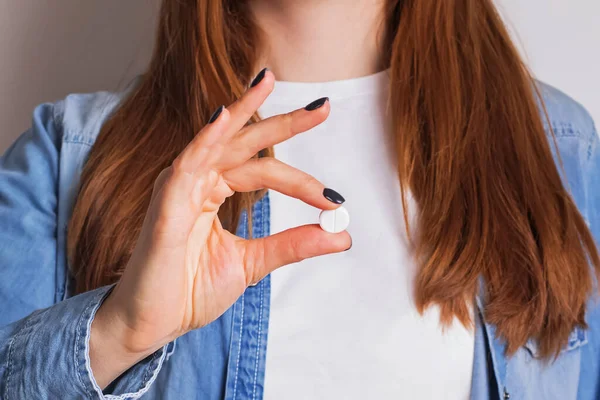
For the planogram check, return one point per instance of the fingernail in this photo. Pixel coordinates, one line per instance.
(259, 77)
(333, 196)
(316, 104)
(350, 245)
(216, 114)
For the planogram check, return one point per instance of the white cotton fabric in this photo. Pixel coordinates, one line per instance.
(344, 326)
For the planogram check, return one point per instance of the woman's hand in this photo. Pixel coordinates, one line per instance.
(186, 270)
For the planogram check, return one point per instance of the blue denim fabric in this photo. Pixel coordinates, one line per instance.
(44, 329)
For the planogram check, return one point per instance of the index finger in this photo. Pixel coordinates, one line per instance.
(227, 122)
(244, 108)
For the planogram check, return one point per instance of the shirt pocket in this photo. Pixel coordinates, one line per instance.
(577, 338)
(530, 377)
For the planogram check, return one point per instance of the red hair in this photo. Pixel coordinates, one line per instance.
(471, 144)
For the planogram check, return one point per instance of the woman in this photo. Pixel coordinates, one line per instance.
(474, 193)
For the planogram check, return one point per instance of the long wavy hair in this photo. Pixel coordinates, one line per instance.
(471, 143)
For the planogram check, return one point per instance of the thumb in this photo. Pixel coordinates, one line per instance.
(262, 256)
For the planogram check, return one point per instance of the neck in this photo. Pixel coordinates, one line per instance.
(318, 40)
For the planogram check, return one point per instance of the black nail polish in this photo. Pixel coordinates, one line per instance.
(333, 196)
(216, 114)
(316, 104)
(259, 77)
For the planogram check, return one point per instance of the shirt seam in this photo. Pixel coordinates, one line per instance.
(55, 119)
(265, 220)
(592, 144)
(58, 129)
(12, 345)
(85, 322)
(77, 343)
(260, 315)
(146, 383)
(237, 363)
(565, 130)
(75, 141)
(9, 365)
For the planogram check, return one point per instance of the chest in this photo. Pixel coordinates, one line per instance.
(347, 322)
(234, 348)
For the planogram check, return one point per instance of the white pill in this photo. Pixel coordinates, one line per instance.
(334, 221)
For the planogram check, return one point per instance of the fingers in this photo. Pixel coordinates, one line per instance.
(271, 131)
(205, 148)
(179, 193)
(227, 143)
(201, 151)
(273, 174)
(243, 108)
(262, 256)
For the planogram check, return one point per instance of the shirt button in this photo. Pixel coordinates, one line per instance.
(506, 395)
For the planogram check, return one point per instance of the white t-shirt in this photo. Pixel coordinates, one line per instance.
(344, 326)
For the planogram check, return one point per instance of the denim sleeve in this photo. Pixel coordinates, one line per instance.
(44, 345)
(589, 386)
(594, 185)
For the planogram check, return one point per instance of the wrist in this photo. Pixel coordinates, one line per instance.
(111, 327)
(110, 348)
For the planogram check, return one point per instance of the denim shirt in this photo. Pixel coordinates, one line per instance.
(44, 329)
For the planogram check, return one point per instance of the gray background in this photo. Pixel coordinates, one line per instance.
(52, 48)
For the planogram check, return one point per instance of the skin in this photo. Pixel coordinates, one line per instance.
(186, 270)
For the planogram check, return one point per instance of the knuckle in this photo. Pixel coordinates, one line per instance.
(286, 121)
(162, 177)
(304, 182)
(253, 258)
(227, 190)
(160, 182)
(266, 170)
(295, 251)
(289, 124)
(177, 164)
(247, 108)
(308, 180)
(269, 162)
